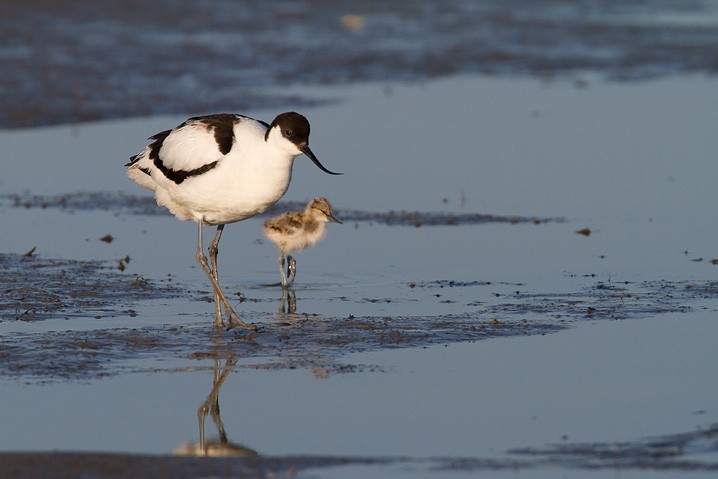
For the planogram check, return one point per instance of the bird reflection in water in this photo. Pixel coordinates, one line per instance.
(288, 303)
(219, 447)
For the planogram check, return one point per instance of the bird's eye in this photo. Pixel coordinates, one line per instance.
(288, 133)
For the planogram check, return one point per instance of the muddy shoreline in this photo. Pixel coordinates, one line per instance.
(117, 60)
(147, 206)
(665, 453)
(38, 289)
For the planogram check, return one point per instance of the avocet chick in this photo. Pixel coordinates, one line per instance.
(295, 231)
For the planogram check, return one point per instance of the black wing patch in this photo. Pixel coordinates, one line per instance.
(222, 124)
(178, 176)
(154, 148)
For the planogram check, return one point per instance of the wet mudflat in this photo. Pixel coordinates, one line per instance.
(119, 60)
(649, 456)
(286, 339)
(462, 318)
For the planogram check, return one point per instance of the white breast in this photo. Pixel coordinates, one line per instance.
(246, 181)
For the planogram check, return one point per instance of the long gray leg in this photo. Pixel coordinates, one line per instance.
(213, 251)
(202, 260)
(280, 261)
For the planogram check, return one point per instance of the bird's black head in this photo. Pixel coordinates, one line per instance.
(295, 128)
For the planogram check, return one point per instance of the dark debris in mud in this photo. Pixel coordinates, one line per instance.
(145, 205)
(450, 283)
(610, 300)
(34, 288)
(601, 300)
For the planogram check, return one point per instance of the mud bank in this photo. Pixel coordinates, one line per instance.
(113, 60)
(38, 289)
(679, 453)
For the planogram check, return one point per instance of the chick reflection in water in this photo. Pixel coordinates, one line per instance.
(288, 302)
(295, 231)
(220, 447)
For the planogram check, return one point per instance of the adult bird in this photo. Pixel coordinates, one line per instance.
(219, 169)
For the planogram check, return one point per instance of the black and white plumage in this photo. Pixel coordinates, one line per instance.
(222, 168)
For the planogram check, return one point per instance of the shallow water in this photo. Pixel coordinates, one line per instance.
(577, 343)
